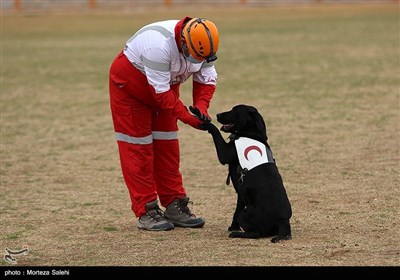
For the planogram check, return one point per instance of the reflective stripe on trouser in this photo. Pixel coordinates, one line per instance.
(147, 139)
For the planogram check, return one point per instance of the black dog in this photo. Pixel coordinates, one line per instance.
(263, 208)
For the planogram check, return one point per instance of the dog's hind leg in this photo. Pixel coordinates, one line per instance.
(249, 230)
(284, 232)
(242, 234)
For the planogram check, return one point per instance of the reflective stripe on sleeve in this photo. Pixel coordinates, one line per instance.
(140, 68)
(164, 67)
(158, 28)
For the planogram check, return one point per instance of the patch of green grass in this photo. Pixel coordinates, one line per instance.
(88, 204)
(110, 228)
(13, 236)
(384, 216)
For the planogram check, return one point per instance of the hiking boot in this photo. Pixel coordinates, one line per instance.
(178, 213)
(154, 218)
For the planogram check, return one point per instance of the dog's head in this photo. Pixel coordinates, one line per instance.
(243, 119)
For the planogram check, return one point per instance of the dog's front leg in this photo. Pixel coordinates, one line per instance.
(226, 153)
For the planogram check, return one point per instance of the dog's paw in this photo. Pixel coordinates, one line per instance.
(208, 126)
(234, 228)
(244, 234)
(234, 234)
(276, 239)
(205, 126)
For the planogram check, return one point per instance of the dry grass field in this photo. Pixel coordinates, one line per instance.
(325, 78)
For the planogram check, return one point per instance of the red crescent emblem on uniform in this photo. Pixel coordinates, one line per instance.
(249, 148)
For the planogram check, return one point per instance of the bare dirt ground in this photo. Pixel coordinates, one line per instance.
(326, 82)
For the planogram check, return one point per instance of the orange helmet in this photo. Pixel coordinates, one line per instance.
(201, 37)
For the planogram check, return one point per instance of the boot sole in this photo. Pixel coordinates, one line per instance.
(155, 229)
(179, 224)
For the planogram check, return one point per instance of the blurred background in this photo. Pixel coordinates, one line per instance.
(46, 5)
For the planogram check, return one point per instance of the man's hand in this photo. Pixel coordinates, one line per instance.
(206, 125)
(199, 115)
(191, 120)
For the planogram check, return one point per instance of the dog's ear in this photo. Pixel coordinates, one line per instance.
(259, 122)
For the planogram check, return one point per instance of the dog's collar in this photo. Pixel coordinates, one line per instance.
(233, 137)
(252, 153)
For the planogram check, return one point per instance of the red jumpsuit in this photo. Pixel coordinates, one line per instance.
(144, 99)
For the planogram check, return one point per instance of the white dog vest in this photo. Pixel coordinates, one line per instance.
(252, 153)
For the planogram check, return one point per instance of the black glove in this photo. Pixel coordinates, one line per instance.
(199, 115)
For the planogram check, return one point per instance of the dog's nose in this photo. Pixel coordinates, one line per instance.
(218, 115)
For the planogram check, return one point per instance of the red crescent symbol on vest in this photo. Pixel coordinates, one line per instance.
(248, 149)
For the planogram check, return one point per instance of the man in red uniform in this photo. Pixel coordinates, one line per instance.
(144, 97)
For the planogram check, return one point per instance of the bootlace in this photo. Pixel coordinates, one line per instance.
(183, 207)
(156, 214)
